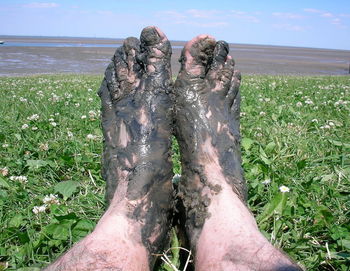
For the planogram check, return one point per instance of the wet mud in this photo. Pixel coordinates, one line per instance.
(207, 128)
(136, 122)
(92, 55)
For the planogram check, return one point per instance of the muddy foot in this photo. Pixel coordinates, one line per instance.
(223, 234)
(136, 122)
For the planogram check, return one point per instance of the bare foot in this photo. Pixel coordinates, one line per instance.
(223, 233)
(136, 122)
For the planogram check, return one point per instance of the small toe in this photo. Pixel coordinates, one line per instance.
(234, 98)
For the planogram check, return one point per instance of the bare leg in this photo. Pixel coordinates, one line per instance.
(223, 233)
(136, 121)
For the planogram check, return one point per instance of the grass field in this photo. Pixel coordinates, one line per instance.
(296, 157)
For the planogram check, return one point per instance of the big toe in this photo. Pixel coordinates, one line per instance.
(197, 55)
(151, 35)
(155, 50)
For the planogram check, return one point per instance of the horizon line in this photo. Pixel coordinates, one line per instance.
(109, 38)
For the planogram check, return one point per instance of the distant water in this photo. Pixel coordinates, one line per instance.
(55, 44)
(34, 55)
(61, 44)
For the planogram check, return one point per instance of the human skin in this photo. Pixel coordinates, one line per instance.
(222, 232)
(136, 122)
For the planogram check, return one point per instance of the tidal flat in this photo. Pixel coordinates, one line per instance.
(51, 55)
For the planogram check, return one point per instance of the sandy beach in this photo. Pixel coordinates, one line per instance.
(47, 55)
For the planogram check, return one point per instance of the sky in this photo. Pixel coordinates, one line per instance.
(306, 23)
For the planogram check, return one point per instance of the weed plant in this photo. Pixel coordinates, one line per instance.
(296, 158)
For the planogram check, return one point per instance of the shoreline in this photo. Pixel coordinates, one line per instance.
(250, 59)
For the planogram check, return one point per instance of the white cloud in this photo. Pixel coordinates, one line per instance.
(333, 19)
(41, 5)
(172, 15)
(290, 27)
(196, 13)
(336, 21)
(327, 15)
(287, 15)
(213, 24)
(312, 10)
(105, 12)
(242, 15)
(201, 18)
(194, 17)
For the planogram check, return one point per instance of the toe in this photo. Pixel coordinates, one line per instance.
(234, 88)
(234, 99)
(127, 70)
(155, 51)
(197, 55)
(220, 54)
(110, 80)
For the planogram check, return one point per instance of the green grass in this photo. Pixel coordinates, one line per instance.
(295, 133)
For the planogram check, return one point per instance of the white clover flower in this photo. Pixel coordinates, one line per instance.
(267, 181)
(33, 117)
(91, 137)
(262, 113)
(51, 120)
(299, 104)
(23, 99)
(69, 134)
(51, 199)
(55, 98)
(54, 124)
(90, 99)
(331, 123)
(77, 104)
(83, 117)
(21, 179)
(25, 126)
(34, 128)
(4, 171)
(44, 146)
(242, 114)
(176, 178)
(284, 189)
(89, 89)
(57, 114)
(308, 101)
(39, 209)
(92, 114)
(5, 145)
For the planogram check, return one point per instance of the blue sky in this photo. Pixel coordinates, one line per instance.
(321, 24)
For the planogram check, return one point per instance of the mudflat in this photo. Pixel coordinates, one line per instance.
(50, 55)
